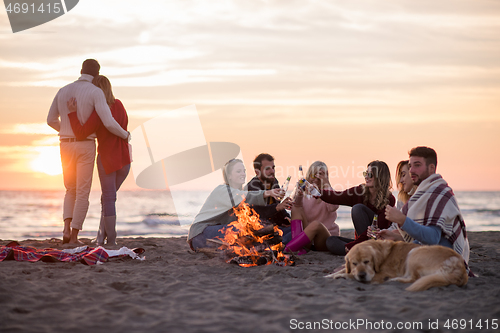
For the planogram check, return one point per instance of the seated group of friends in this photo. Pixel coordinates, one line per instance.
(426, 211)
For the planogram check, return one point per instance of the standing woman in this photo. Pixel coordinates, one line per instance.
(113, 160)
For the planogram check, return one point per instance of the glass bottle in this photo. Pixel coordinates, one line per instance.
(285, 185)
(306, 186)
(375, 227)
(284, 188)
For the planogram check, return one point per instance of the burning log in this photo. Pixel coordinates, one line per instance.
(269, 229)
(249, 243)
(248, 261)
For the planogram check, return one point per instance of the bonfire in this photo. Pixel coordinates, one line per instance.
(247, 242)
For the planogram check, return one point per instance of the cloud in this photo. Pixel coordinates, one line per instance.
(27, 129)
(177, 43)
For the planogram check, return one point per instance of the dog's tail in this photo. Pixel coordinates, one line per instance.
(452, 271)
(429, 281)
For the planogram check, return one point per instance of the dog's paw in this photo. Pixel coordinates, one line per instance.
(338, 275)
(341, 276)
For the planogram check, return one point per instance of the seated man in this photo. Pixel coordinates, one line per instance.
(274, 211)
(431, 216)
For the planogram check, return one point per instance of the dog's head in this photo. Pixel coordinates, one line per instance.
(364, 259)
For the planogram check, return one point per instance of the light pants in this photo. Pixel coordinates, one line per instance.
(77, 160)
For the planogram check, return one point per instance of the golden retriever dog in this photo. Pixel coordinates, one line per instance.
(377, 261)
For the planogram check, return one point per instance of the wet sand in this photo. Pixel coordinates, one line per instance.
(178, 290)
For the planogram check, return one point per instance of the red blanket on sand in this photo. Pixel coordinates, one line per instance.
(14, 251)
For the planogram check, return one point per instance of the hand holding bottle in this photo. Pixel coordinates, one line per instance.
(309, 188)
(284, 188)
(275, 193)
(372, 233)
(373, 230)
(287, 203)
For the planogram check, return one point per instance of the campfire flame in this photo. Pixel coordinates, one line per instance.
(244, 239)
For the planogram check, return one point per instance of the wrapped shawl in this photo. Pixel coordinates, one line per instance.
(434, 204)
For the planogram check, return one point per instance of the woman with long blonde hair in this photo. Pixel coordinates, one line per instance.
(406, 189)
(313, 214)
(404, 183)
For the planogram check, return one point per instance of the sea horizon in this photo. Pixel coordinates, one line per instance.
(37, 214)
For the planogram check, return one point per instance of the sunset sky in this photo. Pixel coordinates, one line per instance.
(345, 82)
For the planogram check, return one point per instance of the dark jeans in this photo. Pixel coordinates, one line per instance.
(110, 183)
(362, 218)
(336, 244)
(210, 232)
(287, 234)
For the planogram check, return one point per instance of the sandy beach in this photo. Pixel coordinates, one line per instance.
(177, 290)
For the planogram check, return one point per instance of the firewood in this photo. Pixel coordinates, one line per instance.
(264, 231)
(247, 260)
(211, 253)
(216, 241)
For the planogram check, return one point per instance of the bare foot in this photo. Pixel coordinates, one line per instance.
(66, 236)
(67, 231)
(76, 242)
(74, 237)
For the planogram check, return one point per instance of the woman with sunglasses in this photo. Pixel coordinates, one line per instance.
(217, 211)
(367, 200)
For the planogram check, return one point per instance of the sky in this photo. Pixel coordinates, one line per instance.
(344, 82)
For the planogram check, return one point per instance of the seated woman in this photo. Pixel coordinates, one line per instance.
(314, 212)
(217, 211)
(406, 190)
(366, 200)
(315, 209)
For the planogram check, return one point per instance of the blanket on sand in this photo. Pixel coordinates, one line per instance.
(86, 255)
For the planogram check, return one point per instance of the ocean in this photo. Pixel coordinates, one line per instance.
(146, 213)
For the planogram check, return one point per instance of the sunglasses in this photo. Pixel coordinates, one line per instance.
(367, 174)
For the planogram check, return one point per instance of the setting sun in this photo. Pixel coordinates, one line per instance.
(48, 161)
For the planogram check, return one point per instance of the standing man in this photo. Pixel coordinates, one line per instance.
(274, 211)
(77, 157)
(432, 215)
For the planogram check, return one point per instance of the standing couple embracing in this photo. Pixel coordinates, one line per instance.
(81, 112)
